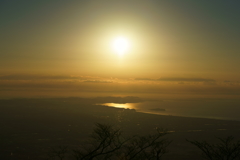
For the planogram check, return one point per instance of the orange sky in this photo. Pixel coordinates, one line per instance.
(175, 47)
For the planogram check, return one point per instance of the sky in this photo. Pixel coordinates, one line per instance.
(65, 46)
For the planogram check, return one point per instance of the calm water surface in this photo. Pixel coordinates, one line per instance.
(217, 109)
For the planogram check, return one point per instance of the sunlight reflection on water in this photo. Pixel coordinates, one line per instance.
(213, 109)
(121, 105)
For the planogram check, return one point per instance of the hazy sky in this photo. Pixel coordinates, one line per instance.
(175, 45)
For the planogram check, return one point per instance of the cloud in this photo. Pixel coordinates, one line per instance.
(144, 79)
(97, 81)
(177, 79)
(38, 77)
(227, 81)
(89, 79)
(186, 79)
(56, 78)
(74, 85)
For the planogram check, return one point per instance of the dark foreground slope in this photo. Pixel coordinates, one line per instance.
(30, 127)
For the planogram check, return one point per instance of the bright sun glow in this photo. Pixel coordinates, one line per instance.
(121, 45)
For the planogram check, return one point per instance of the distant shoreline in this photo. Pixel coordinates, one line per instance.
(122, 101)
(161, 112)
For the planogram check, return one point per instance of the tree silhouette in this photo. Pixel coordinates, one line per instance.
(227, 149)
(147, 147)
(104, 142)
(107, 143)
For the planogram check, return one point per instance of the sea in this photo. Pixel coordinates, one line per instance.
(214, 108)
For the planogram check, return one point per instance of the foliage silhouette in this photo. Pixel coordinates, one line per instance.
(227, 149)
(108, 143)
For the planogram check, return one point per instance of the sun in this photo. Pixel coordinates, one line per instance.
(120, 45)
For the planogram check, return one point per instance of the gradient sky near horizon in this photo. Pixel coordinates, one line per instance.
(175, 46)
